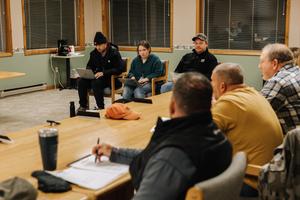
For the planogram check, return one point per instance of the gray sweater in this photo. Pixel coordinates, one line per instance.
(166, 174)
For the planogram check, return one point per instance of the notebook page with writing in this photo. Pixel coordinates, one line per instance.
(105, 165)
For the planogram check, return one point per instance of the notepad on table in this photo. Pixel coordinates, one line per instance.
(88, 174)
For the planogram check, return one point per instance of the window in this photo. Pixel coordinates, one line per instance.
(244, 24)
(47, 21)
(133, 20)
(5, 29)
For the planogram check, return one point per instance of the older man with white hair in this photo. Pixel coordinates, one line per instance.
(282, 87)
(246, 118)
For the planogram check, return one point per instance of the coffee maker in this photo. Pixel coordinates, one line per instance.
(62, 47)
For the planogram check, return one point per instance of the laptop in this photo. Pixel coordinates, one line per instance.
(130, 82)
(85, 73)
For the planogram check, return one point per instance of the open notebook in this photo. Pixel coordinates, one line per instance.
(88, 174)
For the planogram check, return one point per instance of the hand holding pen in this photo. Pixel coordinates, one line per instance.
(101, 150)
(96, 156)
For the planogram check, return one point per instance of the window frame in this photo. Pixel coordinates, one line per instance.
(200, 24)
(105, 28)
(80, 32)
(8, 32)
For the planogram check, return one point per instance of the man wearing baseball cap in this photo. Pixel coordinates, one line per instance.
(105, 60)
(200, 60)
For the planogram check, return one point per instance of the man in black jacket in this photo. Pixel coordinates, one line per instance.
(105, 60)
(184, 150)
(200, 60)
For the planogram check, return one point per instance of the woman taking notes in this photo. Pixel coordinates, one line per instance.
(143, 68)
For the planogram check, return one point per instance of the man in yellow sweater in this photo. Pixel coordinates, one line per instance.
(246, 117)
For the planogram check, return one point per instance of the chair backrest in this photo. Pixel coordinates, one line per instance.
(165, 68)
(163, 77)
(126, 63)
(280, 178)
(227, 185)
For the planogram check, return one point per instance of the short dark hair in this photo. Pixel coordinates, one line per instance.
(278, 51)
(229, 73)
(143, 43)
(193, 93)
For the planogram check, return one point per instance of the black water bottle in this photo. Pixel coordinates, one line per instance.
(72, 109)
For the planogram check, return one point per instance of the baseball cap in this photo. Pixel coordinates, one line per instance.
(200, 36)
(121, 111)
(17, 188)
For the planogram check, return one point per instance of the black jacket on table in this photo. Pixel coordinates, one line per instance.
(110, 64)
(198, 137)
(193, 62)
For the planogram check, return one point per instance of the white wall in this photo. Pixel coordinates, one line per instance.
(294, 32)
(92, 19)
(184, 21)
(16, 23)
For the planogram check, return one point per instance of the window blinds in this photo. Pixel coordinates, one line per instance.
(244, 24)
(135, 20)
(48, 21)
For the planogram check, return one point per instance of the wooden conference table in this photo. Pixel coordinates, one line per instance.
(76, 137)
(6, 74)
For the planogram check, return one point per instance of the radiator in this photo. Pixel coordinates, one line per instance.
(21, 90)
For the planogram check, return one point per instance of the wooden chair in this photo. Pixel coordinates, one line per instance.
(163, 78)
(253, 170)
(227, 185)
(114, 90)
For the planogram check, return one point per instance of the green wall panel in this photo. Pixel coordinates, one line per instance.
(249, 64)
(37, 67)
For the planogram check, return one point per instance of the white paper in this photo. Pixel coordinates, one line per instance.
(86, 173)
(105, 165)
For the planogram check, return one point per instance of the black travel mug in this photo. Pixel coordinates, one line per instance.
(48, 139)
(72, 109)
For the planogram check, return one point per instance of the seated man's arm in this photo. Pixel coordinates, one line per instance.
(166, 175)
(123, 156)
(117, 65)
(224, 115)
(180, 66)
(91, 63)
(273, 91)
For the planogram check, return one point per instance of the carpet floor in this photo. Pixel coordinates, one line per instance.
(26, 110)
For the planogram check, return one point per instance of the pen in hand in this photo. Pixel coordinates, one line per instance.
(96, 156)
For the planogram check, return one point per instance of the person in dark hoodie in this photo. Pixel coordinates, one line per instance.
(105, 60)
(184, 150)
(200, 60)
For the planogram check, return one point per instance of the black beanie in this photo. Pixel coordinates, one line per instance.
(99, 38)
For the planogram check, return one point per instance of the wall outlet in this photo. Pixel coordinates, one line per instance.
(56, 69)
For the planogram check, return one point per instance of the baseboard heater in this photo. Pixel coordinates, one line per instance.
(21, 90)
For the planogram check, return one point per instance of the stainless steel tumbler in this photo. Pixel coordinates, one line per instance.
(48, 139)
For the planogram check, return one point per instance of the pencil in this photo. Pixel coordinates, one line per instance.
(96, 156)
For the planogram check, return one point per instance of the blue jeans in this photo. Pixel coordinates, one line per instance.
(168, 86)
(138, 92)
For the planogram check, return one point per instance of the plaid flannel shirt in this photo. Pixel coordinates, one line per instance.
(283, 93)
